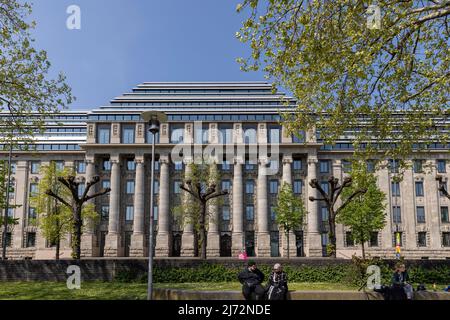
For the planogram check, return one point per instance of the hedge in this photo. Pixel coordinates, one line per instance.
(349, 273)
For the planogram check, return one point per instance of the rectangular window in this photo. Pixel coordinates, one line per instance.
(155, 212)
(8, 240)
(346, 166)
(274, 134)
(419, 189)
(105, 212)
(81, 188)
(130, 187)
(128, 134)
(324, 214)
(250, 136)
(420, 214)
(249, 212)
(273, 213)
(418, 166)
(444, 215)
(349, 241)
(201, 134)
(250, 187)
(106, 184)
(325, 186)
(129, 214)
(298, 184)
(178, 165)
(80, 166)
(446, 239)
(422, 239)
(299, 137)
(226, 213)
(393, 166)
(176, 187)
(13, 167)
(370, 166)
(31, 239)
(156, 166)
(324, 166)
(226, 165)
(104, 134)
(226, 185)
(273, 186)
(156, 187)
(298, 165)
(33, 189)
(32, 213)
(441, 164)
(177, 133)
(10, 212)
(59, 165)
(397, 215)
(225, 134)
(373, 239)
(395, 187)
(249, 166)
(274, 166)
(131, 165)
(106, 165)
(35, 167)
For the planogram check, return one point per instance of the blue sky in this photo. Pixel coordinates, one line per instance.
(125, 42)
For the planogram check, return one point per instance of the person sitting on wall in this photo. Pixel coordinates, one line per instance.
(277, 288)
(251, 278)
(400, 283)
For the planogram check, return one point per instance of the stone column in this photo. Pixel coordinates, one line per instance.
(89, 246)
(138, 243)
(314, 240)
(163, 236)
(113, 246)
(384, 184)
(21, 212)
(409, 209)
(287, 179)
(434, 212)
(263, 234)
(237, 237)
(213, 238)
(188, 237)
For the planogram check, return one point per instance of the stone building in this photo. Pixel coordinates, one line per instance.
(113, 142)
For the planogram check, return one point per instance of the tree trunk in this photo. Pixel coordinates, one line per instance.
(287, 237)
(332, 235)
(58, 244)
(363, 250)
(76, 240)
(203, 232)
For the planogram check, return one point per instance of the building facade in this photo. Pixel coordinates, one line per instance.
(258, 157)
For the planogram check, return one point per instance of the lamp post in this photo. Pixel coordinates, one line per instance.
(154, 120)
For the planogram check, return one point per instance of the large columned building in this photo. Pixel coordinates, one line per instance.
(241, 118)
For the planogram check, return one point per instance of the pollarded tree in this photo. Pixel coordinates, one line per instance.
(201, 186)
(54, 218)
(79, 205)
(366, 213)
(355, 67)
(330, 198)
(290, 211)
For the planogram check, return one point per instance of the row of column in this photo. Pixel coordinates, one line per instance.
(138, 240)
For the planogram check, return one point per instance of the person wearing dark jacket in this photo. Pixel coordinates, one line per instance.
(278, 287)
(251, 279)
(400, 283)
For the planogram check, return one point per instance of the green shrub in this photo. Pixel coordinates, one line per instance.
(354, 273)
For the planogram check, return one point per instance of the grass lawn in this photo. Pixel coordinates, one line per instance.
(123, 291)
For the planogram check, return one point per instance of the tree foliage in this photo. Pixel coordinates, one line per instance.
(353, 79)
(24, 83)
(367, 212)
(290, 211)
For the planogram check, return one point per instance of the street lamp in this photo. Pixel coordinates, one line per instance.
(154, 119)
